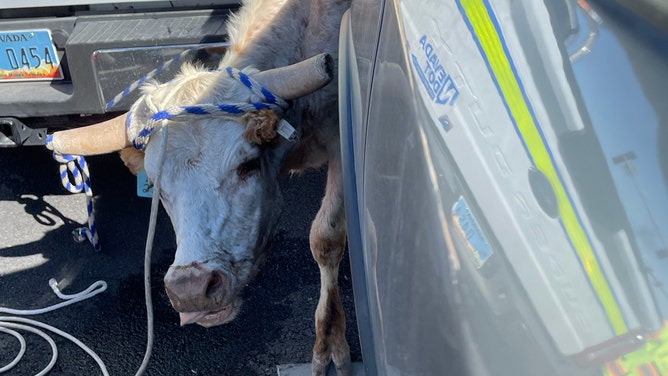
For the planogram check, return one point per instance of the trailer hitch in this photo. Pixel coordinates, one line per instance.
(14, 133)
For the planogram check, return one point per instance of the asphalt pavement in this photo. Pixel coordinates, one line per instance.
(37, 217)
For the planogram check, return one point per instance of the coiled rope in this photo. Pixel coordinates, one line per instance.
(9, 325)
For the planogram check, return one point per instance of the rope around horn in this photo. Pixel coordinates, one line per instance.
(139, 132)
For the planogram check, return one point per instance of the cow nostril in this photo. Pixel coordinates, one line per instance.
(215, 285)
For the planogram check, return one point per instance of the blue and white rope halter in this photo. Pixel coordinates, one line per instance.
(139, 132)
(78, 178)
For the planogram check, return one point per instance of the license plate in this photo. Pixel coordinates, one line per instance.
(471, 233)
(28, 55)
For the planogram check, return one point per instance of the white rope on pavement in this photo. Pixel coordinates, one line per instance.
(9, 323)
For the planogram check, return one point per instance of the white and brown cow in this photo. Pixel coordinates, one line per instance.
(219, 176)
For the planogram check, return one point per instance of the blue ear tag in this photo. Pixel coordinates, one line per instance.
(144, 188)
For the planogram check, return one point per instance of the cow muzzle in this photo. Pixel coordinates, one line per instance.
(200, 295)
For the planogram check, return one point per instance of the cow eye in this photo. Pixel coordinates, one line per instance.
(247, 168)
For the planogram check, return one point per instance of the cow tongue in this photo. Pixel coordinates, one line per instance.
(191, 317)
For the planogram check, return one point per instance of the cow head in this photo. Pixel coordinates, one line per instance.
(218, 186)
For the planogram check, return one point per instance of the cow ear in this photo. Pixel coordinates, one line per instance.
(260, 126)
(133, 159)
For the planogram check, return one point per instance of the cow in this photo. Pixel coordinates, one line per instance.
(220, 174)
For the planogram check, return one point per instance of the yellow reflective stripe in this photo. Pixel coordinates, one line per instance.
(481, 24)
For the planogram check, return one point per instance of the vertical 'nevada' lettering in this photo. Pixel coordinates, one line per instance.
(439, 84)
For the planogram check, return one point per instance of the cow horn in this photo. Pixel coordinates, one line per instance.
(299, 79)
(100, 138)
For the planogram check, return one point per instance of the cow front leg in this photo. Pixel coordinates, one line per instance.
(327, 240)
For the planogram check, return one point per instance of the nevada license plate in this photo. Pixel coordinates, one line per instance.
(27, 55)
(470, 231)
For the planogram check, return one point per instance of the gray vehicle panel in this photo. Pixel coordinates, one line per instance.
(431, 308)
